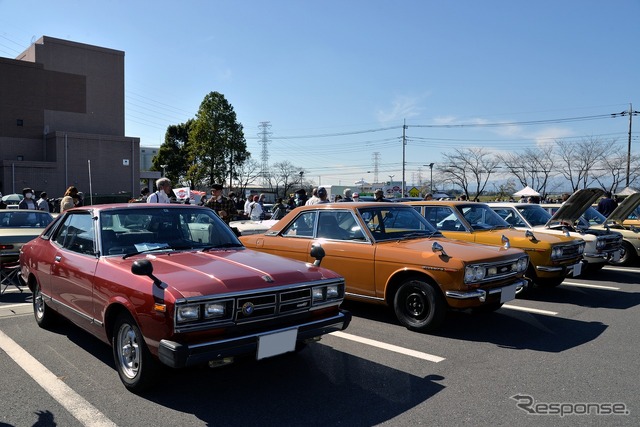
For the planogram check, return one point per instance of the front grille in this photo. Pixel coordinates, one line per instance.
(571, 251)
(262, 306)
(611, 243)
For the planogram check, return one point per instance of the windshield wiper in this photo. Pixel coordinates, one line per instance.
(159, 248)
(222, 246)
(418, 234)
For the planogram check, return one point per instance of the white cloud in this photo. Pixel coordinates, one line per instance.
(402, 107)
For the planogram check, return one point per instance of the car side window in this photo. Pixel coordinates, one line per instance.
(443, 218)
(77, 233)
(302, 226)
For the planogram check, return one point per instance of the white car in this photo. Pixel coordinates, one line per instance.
(601, 246)
(248, 226)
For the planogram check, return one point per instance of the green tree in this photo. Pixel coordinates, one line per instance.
(217, 143)
(174, 153)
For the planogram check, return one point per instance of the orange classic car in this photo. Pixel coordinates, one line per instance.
(172, 284)
(552, 257)
(389, 254)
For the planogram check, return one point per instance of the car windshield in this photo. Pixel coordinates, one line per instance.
(394, 222)
(131, 231)
(481, 217)
(535, 215)
(24, 219)
(592, 217)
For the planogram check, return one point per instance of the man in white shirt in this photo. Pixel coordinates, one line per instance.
(162, 195)
(42, 203)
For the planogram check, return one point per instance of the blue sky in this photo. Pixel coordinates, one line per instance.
(337, 78)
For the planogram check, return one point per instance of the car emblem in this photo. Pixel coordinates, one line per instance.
(247, 308)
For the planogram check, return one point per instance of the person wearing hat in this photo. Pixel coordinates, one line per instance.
(355, 197)
(428, 196)
(379, 196)
(224, 207)
(27, 202)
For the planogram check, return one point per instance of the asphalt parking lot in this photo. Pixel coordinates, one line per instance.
(567, 356)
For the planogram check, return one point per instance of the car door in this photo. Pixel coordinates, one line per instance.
(73, 267)
(348, 251)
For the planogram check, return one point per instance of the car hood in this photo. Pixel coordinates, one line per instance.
(625, 208)
(468, 252)
(576, 205)
(221, 271)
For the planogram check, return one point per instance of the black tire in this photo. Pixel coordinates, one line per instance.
(419, 306)
(550, 283)
(135, 365)
(628, 255)
(44, 315)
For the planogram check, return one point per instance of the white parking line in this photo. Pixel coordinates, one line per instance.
(584, 285)
(10, 306)
(82, 410)
(530, 310)
(390, 347)
(627, 269)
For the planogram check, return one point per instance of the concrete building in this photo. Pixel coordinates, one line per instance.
(62, 121)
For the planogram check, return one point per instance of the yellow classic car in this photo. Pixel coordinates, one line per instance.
(624, 220)
(552, 258)
(389, 254)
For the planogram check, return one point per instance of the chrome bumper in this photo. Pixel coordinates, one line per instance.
(481, 294)
(178, 355)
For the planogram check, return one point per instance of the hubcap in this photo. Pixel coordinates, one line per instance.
(128, 350)
(416, 305)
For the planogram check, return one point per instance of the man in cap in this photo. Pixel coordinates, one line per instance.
(225, 208)
(379, 195)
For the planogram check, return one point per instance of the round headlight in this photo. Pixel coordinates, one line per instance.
(479, 273)
(522, 264)
(468, 274)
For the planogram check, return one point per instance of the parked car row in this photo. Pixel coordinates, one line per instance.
(173, 285)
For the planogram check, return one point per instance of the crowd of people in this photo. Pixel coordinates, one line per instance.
(231, 207)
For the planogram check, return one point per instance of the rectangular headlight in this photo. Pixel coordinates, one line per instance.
(332, 292)
(318, 294)
(188, 313)
(215, 310)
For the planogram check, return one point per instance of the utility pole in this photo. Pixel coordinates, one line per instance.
(404, 143)
(629, 113)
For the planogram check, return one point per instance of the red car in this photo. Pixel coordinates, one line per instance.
(173, 284)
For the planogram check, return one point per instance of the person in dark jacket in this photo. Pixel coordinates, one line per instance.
(606, 205)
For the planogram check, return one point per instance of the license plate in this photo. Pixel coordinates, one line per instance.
(577, 269)
(277, 343)
(508, 293)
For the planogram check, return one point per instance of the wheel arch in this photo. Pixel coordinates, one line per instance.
(400, 277)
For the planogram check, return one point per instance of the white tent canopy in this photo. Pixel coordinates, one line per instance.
(626, 192)
(526, 192)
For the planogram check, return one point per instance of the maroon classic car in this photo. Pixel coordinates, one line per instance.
(173, 284)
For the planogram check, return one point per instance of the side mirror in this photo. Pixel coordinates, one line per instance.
(529, 235)
(317, 252)
(505, 242)
(143, 267)
(437, 247)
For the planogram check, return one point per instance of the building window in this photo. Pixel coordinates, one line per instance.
(19, 122)
(20, 158)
